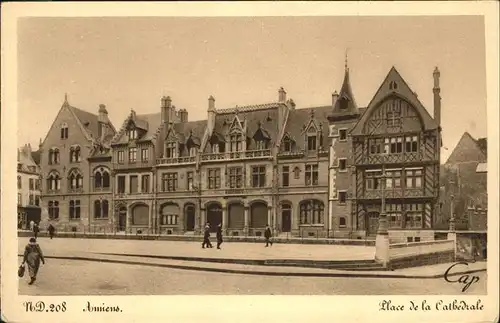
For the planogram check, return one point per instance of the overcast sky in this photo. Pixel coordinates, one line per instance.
(129, 63)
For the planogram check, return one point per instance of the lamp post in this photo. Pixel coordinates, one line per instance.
(382, 222)
(452, 235)
(382, 239)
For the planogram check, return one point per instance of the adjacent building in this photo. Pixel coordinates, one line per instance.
(69, 168)
(28, 187)
(311, 172)
(464, 182)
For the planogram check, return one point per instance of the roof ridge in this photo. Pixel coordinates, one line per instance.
(250, 107)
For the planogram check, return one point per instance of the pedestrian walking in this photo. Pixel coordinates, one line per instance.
(36, 229)
(51, 230)
(33, 256)
(206, 237)
(219, 235)
(268, 235)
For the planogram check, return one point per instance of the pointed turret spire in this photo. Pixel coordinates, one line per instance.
(345, 100)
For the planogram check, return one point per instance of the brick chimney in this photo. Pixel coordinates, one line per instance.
(211, 114)
(437, 96)
(183, 115)
(166, 107)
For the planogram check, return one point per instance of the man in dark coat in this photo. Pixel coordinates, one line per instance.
(268, 235)
(36, 229)
(51, 230)
(219, 235)
(206, 237)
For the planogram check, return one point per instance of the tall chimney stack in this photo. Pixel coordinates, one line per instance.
(437, 96)
(335, 97)
(281, 95)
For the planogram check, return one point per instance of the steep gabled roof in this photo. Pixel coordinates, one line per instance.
(299, 119)
(191, 129)
(25, 159)
(403, 91)
(468, 149)
(150, 123)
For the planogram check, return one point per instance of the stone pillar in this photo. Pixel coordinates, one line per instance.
(203, 219)
(275, 220)
(224, 218)
(452, 235)
(246, 220)
(128, 219)
(269, 215)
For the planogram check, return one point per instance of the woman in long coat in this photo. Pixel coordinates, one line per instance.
(32, 256)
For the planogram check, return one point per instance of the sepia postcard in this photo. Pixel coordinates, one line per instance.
(243, 161)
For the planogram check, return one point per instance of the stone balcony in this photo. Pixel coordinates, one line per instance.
(249, 154)
(176, 160)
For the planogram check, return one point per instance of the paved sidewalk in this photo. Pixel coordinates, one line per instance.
(240, 250)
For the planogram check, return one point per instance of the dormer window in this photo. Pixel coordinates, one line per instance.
(235, 143)
(343, 104)
(215, 148)
(192, 151)
(311, 142)
(170, 150)
(287, 145)
(132, 134)
(261, 144)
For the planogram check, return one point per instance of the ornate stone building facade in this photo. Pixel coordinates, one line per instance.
(28, 188)
(310, 172)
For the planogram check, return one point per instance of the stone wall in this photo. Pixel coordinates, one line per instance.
(403, 255)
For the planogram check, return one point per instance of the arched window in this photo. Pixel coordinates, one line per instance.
(75, 154)
(105, 208)
(105, 179)
(56, 156)
(97, 180)
(75, 179)
(311, 212)
(235, 142)
(64, 131)
(54, 181)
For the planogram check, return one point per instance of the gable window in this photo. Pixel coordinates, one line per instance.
(19, 182)
(144, 155)
(375, 146)
(393, 85)
(192, 151)
(343, 104)
(53, 210)
(394, 215)
(64, 131)
(54, 181)
(396, 145)
(121, 184)
(170, 150)
(311, 143)
(411, 144)
(75, 180)
(214, 178)
(132, 155)
(258, 176)
(393, 179)
(311, 175)
(145, 183)
(215, 148)
(393, 118)
(133, 184)
(132, 134)
(54, 156)
(311, 212)
(414, 214)
(373, 180)
(414, 178)
(74, 154)
(74, 209)
(342, 134)
(235, 142)
(121, 156)
(285, 176)
(342, 164)
(190, 180)
(169, 182)
(235, 177)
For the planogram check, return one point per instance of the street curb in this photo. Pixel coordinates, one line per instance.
(197, 238)
(358, 265)
(264, 273)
